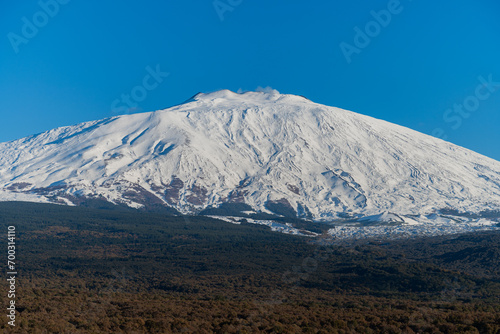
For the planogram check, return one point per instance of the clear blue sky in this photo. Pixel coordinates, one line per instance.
(412, 70)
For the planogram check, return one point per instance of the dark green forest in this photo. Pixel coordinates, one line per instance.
(83, 270)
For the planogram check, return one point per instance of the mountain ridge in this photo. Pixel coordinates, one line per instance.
(273, 152)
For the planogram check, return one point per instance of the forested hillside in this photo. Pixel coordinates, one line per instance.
(121, 271)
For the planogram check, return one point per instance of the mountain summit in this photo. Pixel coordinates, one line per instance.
(262, 151)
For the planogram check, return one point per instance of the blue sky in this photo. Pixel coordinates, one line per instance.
(431, 66)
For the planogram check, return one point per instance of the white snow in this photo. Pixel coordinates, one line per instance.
(263, 146)
(422, 225)
(275, 226)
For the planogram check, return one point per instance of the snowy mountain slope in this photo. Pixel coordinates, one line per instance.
(271, 151)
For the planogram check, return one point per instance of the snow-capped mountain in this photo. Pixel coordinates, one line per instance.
(276, 153)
